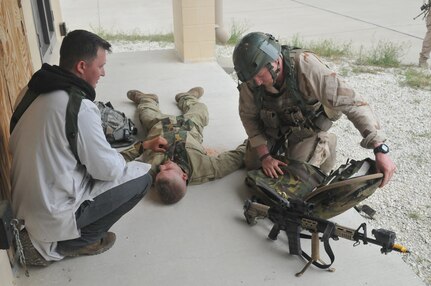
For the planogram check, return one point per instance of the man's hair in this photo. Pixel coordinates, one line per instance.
(170, 190)
(80, 45)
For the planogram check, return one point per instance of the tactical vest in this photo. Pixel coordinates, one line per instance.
(73, 105)
(290, 113)
(175, 132)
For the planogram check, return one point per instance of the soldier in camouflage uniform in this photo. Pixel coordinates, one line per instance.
(426, 44)
(185, 159)
(288, 100)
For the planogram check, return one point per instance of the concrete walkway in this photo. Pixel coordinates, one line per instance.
(204, 239)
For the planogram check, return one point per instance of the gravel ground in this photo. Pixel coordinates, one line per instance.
(404, 205)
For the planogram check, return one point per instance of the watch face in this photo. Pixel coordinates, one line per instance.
(381, 149)
(384, 148)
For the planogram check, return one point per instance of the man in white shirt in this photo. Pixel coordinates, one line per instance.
(69, 196)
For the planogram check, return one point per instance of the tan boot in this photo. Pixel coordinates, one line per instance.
(423, 63)
(98, 247)
(196, 92)
(136, 96)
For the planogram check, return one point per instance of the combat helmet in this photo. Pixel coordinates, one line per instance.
(254, 51)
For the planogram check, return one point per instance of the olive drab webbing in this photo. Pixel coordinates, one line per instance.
(71, 126)
(289, 113)
(175, 132)
(331, 195)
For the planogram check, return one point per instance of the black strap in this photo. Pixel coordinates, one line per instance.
(27, 99)
(72, 110)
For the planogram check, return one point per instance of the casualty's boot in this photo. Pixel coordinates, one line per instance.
(31, 255)
(100, 246)
(196, 92)
(136, 96)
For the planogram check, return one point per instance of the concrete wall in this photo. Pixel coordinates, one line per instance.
(194, 29)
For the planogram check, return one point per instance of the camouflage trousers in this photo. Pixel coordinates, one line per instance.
(318, 150)
(150, 114)
(426, 45)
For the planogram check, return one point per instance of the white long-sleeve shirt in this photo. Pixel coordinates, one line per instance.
(48, 185)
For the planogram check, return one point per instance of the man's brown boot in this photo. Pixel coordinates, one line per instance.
(136, 96)
(196, 92)
(98, 247)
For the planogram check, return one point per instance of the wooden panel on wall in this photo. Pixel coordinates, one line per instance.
(15, 71)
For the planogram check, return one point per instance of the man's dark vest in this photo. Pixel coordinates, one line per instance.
(75, 98)
(290, 113)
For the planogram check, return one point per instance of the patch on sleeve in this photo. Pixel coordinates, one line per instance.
(337, 94)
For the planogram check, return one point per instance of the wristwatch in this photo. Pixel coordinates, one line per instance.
(382, 148)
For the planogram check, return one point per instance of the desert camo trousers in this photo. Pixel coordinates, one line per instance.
(318, 150)
(426, 45)
(150, 114)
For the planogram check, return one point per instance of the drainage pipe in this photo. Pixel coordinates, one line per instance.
(222, 35)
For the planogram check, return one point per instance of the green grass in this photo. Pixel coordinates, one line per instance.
(414, 215)
(417, 78)
(134, 36)
(426, 135)
(237, 31)
(366, 69)
(384, 54)
(325, 48)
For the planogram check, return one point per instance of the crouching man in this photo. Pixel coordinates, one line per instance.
(69, 187)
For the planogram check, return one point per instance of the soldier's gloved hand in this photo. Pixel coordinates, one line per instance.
(157, 144)
(270, 167)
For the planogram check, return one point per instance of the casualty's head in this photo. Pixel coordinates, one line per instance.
(171, 182)
(84, 54)
(255, 54)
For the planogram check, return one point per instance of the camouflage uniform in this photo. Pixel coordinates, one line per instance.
(426, 45)
(184, 136)
(268, 119)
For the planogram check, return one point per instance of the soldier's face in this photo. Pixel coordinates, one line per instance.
(170, 169)
(263, 77)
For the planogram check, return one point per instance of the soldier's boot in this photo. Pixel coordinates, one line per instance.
(136, 96)
(196, 92)
(423, 62)
(31, 255)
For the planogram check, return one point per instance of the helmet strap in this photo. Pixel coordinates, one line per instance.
(274, 73)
